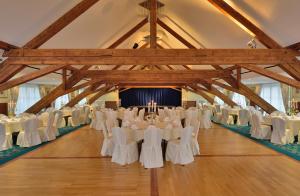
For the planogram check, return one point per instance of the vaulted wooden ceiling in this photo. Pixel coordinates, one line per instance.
(169, 28)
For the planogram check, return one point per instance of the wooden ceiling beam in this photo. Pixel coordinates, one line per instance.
(155, 75)
(151, 56)
(291, 69)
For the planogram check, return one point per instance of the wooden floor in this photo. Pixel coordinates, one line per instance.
(229, 165)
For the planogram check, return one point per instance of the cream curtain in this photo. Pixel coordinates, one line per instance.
(285, 95)
(13, 95)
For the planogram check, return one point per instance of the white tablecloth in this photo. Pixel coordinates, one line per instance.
(293, 123)
(15, 124)
(136, 130)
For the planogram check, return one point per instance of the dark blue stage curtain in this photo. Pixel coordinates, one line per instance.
(142, 96)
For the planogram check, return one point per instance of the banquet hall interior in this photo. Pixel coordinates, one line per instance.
(149, 97)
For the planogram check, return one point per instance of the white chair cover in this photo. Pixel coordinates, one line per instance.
(258, 130)
(243, 117)
(74, 120)
(99, 121)
(48, 133)
(226, 118)
(205, 121)
(87, 112)
(125, 152)
(141, 114)
(180, 151)
(280, 134)
(151, 154)
(58, 120)
(107, 146)
(44, 117)
(5, 138)
(30, 136)
(194, 142)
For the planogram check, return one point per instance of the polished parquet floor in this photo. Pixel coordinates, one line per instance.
(229, 164)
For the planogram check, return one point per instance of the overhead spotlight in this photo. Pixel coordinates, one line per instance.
(135, 45)
(252, 43)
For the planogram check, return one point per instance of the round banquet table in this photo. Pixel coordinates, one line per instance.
(293, 123)
(135, 131)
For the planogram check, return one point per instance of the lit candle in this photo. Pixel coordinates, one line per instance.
(154, 107)
(149, 106)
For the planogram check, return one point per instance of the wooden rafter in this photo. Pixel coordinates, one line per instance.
(30, 76)
(6, 46)
(202, 94)
(291, 69)
(90, 90)
(295, 46)
(272, 75)
(74, 79)
(128, 34)
(215, 92)
(100, 93)
(175, 34)
(45, 35)
(60, 23)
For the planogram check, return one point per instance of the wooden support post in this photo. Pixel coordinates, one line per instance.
(153, 19)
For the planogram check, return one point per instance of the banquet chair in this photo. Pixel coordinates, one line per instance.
(29, 136)
(151, 154)
(280, 133)
(180, 151)
(194, 142)
(44, 117)
(99, 121)
(125, 151)
(87, 112)
(58, 119)
(243, 117)
(226, 118)
(107, 145)
(5, 138)
(161, 114)
(258, 130)
(109, 125)
(278, 113)
(3, 116)
(205, 121)
(74, 120)
(141, 114)
(48, 133)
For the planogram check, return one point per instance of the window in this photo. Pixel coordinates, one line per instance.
(272, 94)
(29, 94)
(61, 101)
(218, 101)
(239, 99)
(82, 101)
